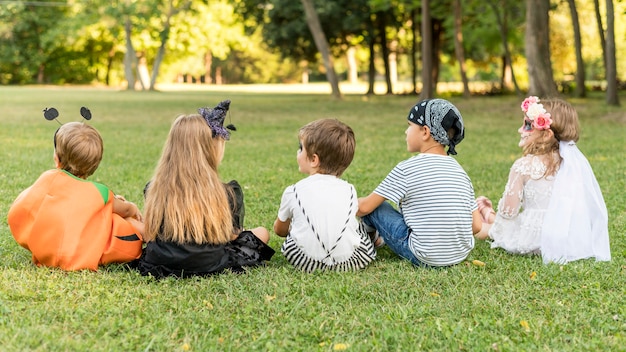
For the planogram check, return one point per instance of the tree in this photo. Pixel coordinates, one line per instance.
(504, 35)
(580, 64)
(537, 47)
(458, 46)
(428, 90)
(321, 43)
(611, 66)
(33, 40)
(381, 21)
(172, 9)
(600, 30)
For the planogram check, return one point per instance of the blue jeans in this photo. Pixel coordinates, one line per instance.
(392, 228)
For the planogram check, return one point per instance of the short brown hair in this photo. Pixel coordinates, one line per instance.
(334, 143)
(79, 148)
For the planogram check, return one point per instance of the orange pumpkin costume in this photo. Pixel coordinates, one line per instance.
(68, 222)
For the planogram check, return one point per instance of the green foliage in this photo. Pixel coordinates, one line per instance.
(511, 303)
(252, 41)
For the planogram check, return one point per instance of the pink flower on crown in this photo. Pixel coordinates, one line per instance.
(529, 101)
(542, 121)
(540, 118)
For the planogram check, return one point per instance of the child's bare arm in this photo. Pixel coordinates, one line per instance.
(369, 203)
(126, 209)
(282, 227)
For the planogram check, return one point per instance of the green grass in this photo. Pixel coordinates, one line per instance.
(391, 306)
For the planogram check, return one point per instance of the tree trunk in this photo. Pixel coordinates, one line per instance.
(353, 72)
(504, 35)
(580, 90)
(371, 72)
(208, 63)
(40, 74)
(142, 72)
(393, 63)
(611, 65)
(321, 43)
(600, 31)
(458, 46)
(437, 32)
(130, 57)
(413, 51)
(218, 76)
(427, 57)
(382, 32)
(159, 58)
(537, 48)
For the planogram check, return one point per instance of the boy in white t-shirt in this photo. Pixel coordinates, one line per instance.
(317, 215)
(438, 216)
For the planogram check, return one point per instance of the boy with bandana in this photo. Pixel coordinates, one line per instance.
(437, 216)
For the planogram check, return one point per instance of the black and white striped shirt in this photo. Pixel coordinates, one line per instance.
(436, 198)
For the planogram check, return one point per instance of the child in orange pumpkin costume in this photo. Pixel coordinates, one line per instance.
(68, 222)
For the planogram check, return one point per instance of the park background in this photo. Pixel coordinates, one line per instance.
(69, 54)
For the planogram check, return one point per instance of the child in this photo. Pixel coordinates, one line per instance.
(192, 227)
(317, 215)
(69, 222)
(438, 215)
(552, 204)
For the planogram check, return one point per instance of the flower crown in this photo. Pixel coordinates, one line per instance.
(536, 113)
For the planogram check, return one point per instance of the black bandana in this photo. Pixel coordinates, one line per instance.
(440, 116)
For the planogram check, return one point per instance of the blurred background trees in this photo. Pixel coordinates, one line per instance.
(412, 46)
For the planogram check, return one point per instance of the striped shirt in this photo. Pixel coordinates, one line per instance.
(436, 198)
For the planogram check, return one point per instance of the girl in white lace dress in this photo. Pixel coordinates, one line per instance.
(552, 204)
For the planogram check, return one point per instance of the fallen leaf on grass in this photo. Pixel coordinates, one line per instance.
(269, 298)
(435, 294)
(525, 325)
(478, 262)
(340, 347)
(533, 275)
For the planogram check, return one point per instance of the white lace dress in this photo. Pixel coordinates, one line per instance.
(518, 224)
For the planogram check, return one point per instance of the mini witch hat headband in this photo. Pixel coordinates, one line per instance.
(215, 117)
(52, 114)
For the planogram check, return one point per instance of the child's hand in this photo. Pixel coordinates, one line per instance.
(485, 208)
(126, 209)
(136, 213)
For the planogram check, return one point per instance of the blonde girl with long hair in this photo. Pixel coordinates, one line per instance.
(552, 204)
(193, 221)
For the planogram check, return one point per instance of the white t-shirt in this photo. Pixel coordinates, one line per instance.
(322, 209)
(436, 198)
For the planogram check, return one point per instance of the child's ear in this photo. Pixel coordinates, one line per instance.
(426, 131)
(315, 160)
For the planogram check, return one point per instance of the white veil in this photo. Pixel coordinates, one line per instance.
(576, 223)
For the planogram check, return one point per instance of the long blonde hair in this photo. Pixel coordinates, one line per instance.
(564, 127)
(186, 202)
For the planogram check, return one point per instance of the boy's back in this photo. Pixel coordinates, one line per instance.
(435, 196)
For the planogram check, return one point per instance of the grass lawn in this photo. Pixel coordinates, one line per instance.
(512, 303)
